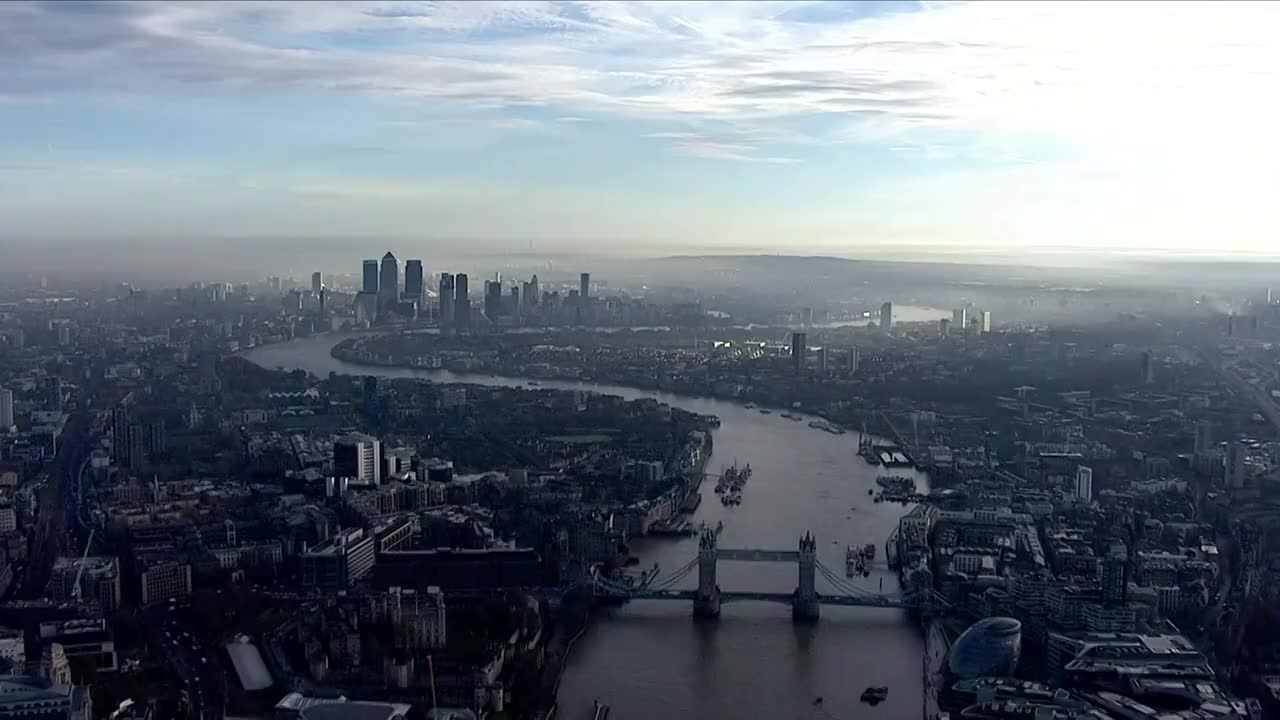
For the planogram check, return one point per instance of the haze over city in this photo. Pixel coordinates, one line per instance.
(633, 129)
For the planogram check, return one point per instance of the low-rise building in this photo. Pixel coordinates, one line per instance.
(98, 576)
(340, 562)
(83, 640)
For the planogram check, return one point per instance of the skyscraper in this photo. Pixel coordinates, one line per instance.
(1204, 437)
(492, 299)
(317, 282)
(944, 327)
(120, 436)
(358, 457)
(1148, 368)
(799, 346)
(370, 284)
(1115, 576)
(534, 296)
(461, 302)
(960, 319)
(389, 281)
(886, 316)
(413, 281)
(584, 287)
(1235, 465)
(986, 322)
(1084, 484)
(444, 293)
(53, 398)
(6, 409)
(822, 360)
(852, 365)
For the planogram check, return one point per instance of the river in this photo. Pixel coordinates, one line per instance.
(650, 659)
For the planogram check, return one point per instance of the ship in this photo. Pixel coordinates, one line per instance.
(765, 411)
(867, 452)
(749, 405)
(733, 478)
(898, 484)
(875, 695)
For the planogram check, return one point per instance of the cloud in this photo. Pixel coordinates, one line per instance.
(725, 145)
(1080, 71)
(1180, 91)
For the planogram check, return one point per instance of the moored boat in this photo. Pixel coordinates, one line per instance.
(875, 695)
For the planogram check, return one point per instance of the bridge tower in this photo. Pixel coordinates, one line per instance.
(707, 602)
(804, 605)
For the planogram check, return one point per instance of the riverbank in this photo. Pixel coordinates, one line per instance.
(874, 420)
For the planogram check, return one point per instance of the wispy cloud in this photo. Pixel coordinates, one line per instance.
(983, 68)
(949, 109)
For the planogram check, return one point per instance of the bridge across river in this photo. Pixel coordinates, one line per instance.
(804, 600)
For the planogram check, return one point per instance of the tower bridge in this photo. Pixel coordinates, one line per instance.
(805, 601)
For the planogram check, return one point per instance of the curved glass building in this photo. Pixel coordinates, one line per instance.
(989, 647)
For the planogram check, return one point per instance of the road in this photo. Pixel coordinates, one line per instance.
(1257, 394)
(197, 665)
(55, 506)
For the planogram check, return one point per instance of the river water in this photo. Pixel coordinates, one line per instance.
(650, 659)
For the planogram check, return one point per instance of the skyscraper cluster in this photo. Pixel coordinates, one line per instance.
(966, 322)
(382, 292)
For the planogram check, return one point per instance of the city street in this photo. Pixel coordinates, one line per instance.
(197, 665)
(50, 538)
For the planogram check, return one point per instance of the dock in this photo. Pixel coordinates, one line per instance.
(674, 527)
(691, 501)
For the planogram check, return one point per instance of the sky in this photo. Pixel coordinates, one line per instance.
(645, 128)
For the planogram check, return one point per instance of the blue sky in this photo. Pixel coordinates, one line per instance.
(638, 128)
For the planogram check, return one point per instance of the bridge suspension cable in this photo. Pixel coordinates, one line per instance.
(650, 584)
(675, 577)
(849, 589)
(840, 583)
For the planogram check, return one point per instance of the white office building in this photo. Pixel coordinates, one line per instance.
(358, 457)
(1084, 484)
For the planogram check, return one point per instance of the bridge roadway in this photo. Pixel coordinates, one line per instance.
(736, 555)
(880, 601)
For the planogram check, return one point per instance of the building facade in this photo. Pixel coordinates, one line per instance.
(358, 457)
(163, 579)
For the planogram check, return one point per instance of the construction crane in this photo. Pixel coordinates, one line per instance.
(75, 590)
